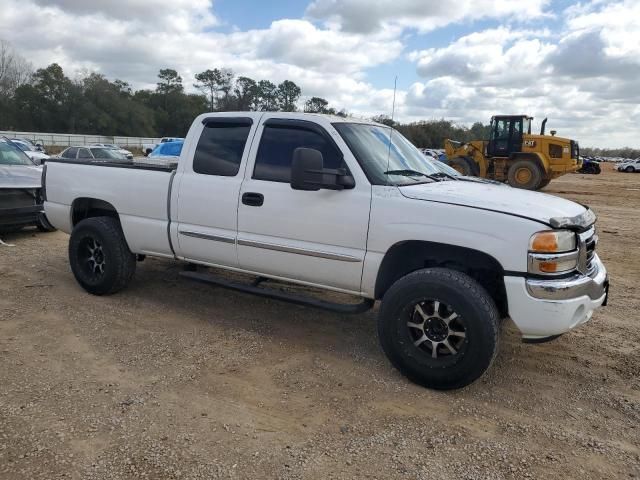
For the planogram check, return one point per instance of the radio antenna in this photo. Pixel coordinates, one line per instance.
(393, 112)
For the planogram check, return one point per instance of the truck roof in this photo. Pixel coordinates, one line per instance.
(293, 115)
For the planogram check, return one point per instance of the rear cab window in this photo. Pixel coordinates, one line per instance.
(221, 146)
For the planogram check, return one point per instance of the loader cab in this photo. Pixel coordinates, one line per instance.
(506, 134)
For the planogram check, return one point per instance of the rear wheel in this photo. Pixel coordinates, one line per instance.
(464, 165)
(439, 327)
(525, 174)
(99, 256)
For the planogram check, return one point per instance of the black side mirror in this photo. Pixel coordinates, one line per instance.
(306, 169)
(308, 172)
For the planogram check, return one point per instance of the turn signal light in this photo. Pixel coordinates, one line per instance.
(553, 241)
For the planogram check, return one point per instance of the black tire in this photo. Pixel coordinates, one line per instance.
(100, 257)
(456, 292)
(465, 166)
(525, 174)
(544, 183)
(44, 225)
(629, 169)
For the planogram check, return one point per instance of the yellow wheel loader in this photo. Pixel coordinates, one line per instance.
(512, 154)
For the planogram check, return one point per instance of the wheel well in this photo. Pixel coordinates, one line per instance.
(91, 207)
(406, 257)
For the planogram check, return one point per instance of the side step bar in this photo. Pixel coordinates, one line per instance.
(361, 307)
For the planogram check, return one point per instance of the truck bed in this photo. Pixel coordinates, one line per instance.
(137, 165)
(139, 193)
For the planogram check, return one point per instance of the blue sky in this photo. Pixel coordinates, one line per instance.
(464, 60)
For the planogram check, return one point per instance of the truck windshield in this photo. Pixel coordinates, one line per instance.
(385, 155)
(12, 155)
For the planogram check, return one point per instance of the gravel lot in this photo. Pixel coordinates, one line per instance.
(172, 379)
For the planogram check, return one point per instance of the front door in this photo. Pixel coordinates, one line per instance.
(317, 237)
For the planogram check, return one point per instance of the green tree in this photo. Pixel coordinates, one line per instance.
(216, 84)
(170, 82)
(246, 94)
(288, 94)
(316, 105)
(267, 96)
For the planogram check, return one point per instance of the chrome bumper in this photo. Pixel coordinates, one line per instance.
(593, 286)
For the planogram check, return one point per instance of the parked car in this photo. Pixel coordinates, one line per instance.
(629, 166)
(344, 205)
(20, 190)
(31, 151)
(168, 149)
(34, 145)
(147, 148)
(113, 146)
(590, 165)
(93, 154)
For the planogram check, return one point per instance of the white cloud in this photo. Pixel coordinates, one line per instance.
(368, 16)
(579, 66)
(583, 77)
(100, 36)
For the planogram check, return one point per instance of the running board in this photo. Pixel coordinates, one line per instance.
(361, 307)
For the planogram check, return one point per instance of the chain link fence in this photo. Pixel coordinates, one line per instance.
(67, 140)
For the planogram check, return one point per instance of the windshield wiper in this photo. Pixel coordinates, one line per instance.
(446, 175)
(411, 173)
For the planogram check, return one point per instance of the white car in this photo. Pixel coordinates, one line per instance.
(629, 166)
(344, 205)
(112, 146)
(32, 152)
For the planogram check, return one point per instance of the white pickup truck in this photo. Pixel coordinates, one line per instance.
(344, 205)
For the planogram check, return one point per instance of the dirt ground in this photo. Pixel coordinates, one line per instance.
(172, 379)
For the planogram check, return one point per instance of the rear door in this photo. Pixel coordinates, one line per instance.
(208, 188)
(316, 237)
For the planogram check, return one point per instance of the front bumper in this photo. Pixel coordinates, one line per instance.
(544, 308)
(20, 216)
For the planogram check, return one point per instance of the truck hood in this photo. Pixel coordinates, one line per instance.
(20, 176)
(540, 207)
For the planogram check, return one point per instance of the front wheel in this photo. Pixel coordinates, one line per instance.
(628, 169)
(525, 174)
(465, 166)
(100, 257)
(439, 327)
(544, 183)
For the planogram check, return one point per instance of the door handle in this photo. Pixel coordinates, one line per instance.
(253, 199)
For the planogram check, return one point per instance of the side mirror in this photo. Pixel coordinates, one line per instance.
(306, 169)
(308, 172)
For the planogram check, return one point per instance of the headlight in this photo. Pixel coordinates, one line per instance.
(553, 241)
(553, 252)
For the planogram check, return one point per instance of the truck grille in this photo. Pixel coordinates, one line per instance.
(17, 198)
(590, 240)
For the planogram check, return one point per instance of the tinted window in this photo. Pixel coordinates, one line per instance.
(277, 144)
(220, 148)
(84, 153)
(70, 152)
